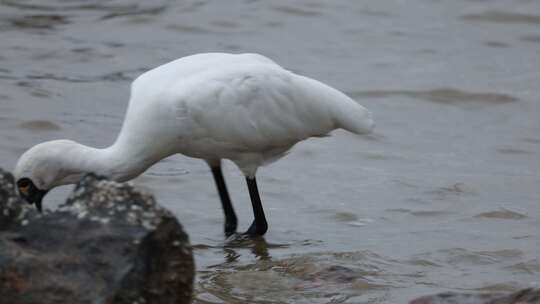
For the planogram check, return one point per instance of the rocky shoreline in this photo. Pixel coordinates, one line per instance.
(108, 243)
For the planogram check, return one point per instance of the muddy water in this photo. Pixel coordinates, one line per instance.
(443, 196)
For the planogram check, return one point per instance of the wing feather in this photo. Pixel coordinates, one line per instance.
(244, 101)
(258, 107)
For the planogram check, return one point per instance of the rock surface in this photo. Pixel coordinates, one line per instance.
(109, 243)
(525, 296)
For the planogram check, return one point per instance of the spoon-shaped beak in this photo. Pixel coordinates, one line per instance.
(30, 193)
(38, 198)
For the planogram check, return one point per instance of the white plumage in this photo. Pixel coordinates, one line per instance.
(213, 106)
(245, 108)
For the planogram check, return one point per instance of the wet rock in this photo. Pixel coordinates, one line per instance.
(525, 296)
(12, 209)
(109, 243)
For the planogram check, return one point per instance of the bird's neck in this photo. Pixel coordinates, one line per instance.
(118, 162)
(121, 164)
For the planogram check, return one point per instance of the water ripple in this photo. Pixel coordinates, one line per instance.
(504, 214)
(136, 11)
(311, 278)
(39, 125)
(296, 11)
(442, 95)
(503, 17)
(49, 21)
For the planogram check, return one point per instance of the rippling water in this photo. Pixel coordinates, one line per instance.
(443, 196)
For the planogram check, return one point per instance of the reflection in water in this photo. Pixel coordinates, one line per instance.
(257, 245)
(260, 250)
(231, 255)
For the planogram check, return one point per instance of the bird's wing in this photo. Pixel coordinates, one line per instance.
(162, 77)
(256, 106)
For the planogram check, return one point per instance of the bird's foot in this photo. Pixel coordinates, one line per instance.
(257, 229)
(230, 228)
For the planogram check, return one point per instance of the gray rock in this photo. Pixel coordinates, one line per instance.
(12, 208)
(524, 296)
(108, 244)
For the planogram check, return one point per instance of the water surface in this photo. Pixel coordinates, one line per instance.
(442, 197)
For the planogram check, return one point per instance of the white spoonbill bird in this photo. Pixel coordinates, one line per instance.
(212, 106)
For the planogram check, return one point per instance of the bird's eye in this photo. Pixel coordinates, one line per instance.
(23, 182)
(24, 186)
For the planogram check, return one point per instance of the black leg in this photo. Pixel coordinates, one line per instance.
(230, 217)
(259, 225)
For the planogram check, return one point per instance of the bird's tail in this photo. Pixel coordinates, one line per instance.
(354, 118)
(345, 112)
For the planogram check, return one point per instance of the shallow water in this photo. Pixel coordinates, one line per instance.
(443, 196)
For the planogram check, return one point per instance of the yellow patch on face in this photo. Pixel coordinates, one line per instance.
(24, 190)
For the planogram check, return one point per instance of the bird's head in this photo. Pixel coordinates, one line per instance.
(42, 168)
